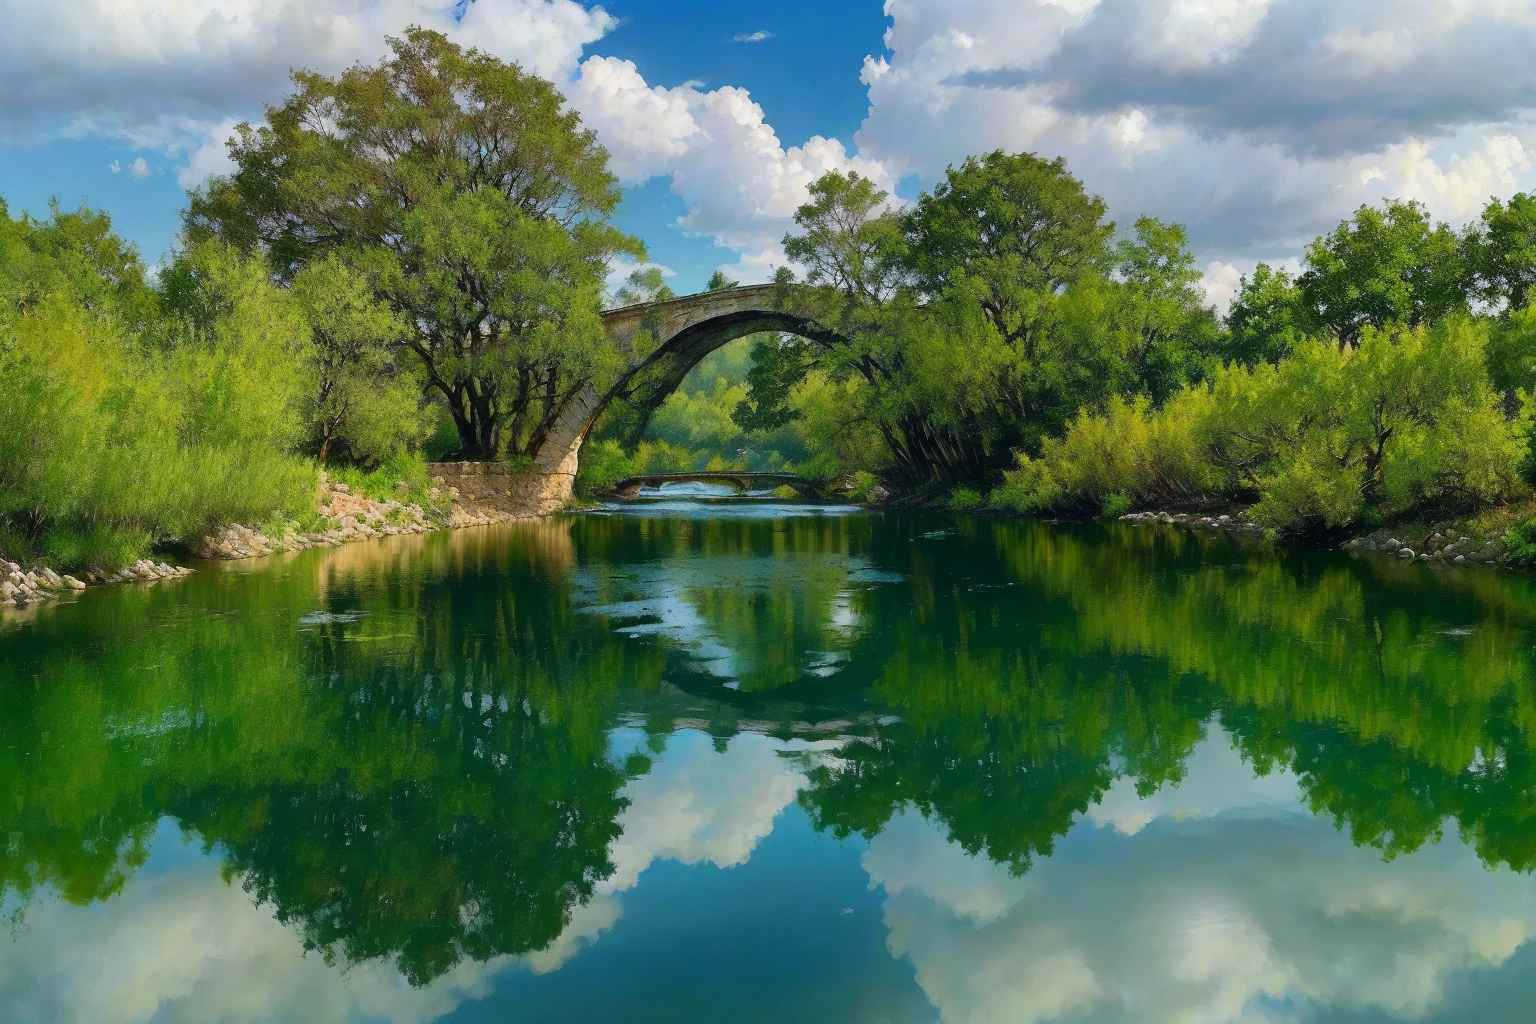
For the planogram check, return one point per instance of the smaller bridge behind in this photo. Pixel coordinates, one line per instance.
(743, 480)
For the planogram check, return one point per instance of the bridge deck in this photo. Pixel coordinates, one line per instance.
(705, 476)
(745, 478)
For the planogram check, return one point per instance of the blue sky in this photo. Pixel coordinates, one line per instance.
(1256, 123)
(803, 72)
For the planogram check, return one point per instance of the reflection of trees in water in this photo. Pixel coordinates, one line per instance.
(761, 603)
(419, 774)
(1042, 664)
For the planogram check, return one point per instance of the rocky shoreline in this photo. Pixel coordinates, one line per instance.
(350, 517)
(1239, 523)
(1445, 545)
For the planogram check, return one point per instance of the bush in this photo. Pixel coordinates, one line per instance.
(1129, 453)
(384, 483)
(1402, 419)
(1116, 505)
(964, 499)
(1328, 436)
(118, 432)
(1521, 540)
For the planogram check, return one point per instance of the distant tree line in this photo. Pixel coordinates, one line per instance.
(1004, 346)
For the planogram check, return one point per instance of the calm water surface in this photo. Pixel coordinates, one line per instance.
(743, 762)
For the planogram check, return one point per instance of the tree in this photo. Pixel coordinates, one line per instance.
(357, 394)
(1332, 434)
(719, 282)
(73, 253)
(1162, 308)
(129, 416)
(1011, 231)
(1501, 252)
(644, 284)
(475, 202)
(846, 241)
(1385, 268)
(1268, 317)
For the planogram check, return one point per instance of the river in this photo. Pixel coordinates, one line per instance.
(689, 761)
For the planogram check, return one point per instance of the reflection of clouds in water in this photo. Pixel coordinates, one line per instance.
(1250, 913)
(674, 618)
(700, 806)
(181, 945)
(1216, 779)
(657, 601)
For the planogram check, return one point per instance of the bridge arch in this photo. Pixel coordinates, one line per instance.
(680, 333)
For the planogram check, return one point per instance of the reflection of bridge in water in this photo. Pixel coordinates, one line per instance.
(630, 487)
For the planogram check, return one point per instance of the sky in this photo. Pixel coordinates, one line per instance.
(1256, 123)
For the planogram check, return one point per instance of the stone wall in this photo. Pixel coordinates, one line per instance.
(520, 492)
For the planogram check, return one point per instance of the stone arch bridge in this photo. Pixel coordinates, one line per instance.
(680, 332)
(743, 480)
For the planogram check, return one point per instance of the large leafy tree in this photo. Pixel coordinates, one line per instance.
(1387, 267)
(1012, 231)
(983, 318)
(1501, 252)
(1268, 317)
(473, 199)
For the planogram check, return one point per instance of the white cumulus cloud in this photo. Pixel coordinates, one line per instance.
(1212, 902)
(1259, 123)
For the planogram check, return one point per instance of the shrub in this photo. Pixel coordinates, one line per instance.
(964, 499)
(1521, 540)
(1116, 505)
(1328, 436)
(1333, 434)
(1129, 453)
(116, 433)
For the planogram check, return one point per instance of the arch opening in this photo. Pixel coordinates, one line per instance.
(683, 331)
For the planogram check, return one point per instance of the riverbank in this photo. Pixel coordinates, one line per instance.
(464, 495)
(460, 495)
(1480, 538)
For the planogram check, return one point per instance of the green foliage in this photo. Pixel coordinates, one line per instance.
(1128, 455)
(1115, 505)
(1511, 355)
(719, 282)
(1397, 421)
(604, 463)
(846, 241)
(402, 476)
(1501, 252)
(474, 202)
(1010, 232)
(1521, 540)
(965, 499)
(1387, 267)
(778, 366)
(357, 398)
(983, 326)
(1325, 437)
(72, 255)
(1267, 318)
(117, 430)
(644, 284)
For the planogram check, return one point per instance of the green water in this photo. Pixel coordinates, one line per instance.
(685, 762)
